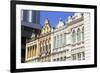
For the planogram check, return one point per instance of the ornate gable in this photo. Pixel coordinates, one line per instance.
(46, 28)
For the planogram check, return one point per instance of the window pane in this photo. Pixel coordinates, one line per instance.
(64, 39)
(83, 33)
(73, 36)
(74, 56)
(83, 54)
(79, 56)
(78, 35)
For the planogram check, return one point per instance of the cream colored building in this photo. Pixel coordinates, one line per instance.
(39, 49)
(45, 43)
(61, 42)
(68, 41)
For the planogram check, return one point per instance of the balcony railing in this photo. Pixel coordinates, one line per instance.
(30, 40)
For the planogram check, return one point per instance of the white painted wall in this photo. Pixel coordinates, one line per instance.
(5, 37)
(86, 33)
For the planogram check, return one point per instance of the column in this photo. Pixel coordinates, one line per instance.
(35, 50)
(31, 51)
(27, 52)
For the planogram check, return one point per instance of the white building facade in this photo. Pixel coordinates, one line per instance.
(70, 41)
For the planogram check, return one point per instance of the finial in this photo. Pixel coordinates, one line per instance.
(46, 21)
(61, 23)
(60, 19)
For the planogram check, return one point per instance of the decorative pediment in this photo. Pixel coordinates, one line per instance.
(60, 24)
(46, 28)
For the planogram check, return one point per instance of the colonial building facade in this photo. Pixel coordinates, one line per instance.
(67, 42)
(42, 45)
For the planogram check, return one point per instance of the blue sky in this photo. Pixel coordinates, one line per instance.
(54, 17)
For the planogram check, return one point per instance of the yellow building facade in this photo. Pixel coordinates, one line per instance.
(40, 48)
(44, 42)
(32, 51)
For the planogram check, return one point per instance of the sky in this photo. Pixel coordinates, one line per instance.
(54, 17)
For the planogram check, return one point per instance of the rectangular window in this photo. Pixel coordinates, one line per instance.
(83, 55)
(74, 56)
(54, 59)
(79, 56)
(25, 15)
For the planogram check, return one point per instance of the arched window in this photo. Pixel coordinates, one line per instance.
(49, 49)
(64, 39)
(57, 41)
(42, 44)
(61, 40)
(64, 58)
(78, 35)
(83, 33)
(54, 41)
(61, 59)
(57, 59)
(73, 36)
(60, 36)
